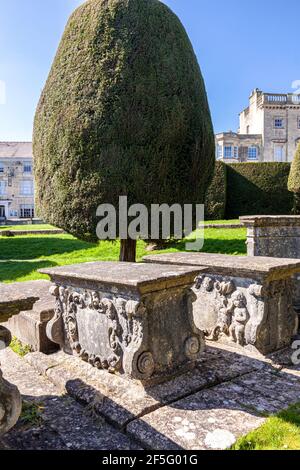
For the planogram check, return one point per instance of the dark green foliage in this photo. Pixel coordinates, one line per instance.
(294, 181)
(124, 112)
(215, 199)
(258, 189)
(294, 176)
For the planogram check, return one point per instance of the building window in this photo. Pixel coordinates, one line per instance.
(278, 123)
(248, 129)
(27, 168)
(236, 153)
(26, 188)
(298, 122)
(252, 153)
(278, 153)
(227, 152)
(26, 211)
(219, 152)
(1, 168)
(2, 188)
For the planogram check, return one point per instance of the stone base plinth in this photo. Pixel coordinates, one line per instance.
(133, 320)
(243, 301)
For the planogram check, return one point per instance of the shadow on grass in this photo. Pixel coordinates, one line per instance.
(224, 246)
(11, 271)
(35, 247)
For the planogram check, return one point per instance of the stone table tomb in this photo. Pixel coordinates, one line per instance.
(135, 320)
(244, 301)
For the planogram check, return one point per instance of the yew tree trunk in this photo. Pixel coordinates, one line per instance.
(128, 250)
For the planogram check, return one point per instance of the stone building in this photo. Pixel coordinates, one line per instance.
(269, 130)
(16, 180)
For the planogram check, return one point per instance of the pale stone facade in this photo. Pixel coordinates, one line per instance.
(269, 130)
(16, 181)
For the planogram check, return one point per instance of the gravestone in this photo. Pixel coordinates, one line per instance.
(130, 319)
(244, 301)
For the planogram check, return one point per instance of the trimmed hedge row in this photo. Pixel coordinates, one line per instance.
(250, 189)
(215, 199)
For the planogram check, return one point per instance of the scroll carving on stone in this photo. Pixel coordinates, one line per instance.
(122, 325)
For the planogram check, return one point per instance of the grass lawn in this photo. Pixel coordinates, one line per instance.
(21, 256)
(280, 432)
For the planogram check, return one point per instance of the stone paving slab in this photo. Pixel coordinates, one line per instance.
(65, 424)
(281, 386)
(36, 438)
(205, 420)
(122, 400)
(225, 397)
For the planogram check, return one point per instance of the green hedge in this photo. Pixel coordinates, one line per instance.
(258, 188)
(215, 199)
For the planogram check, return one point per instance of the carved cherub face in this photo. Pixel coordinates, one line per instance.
(208, 284)
(95, 300)
(239, 300)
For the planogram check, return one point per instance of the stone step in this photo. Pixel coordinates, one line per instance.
(225, 397)
(63, 423)
(28, 307)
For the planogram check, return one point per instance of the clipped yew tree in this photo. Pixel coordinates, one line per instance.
(124, 112)
(294, 181)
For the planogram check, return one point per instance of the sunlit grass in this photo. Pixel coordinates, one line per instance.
(22, 256)
(281, 432)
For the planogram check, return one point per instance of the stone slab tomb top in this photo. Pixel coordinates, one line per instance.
(18, 297)
(138, 276)
(236, 266)
(271, 220)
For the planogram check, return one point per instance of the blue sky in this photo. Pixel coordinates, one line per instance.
(240, 45)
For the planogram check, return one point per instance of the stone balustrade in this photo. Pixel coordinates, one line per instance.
(244, 301)
(134, 320)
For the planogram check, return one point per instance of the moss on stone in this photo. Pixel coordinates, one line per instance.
(124, 112)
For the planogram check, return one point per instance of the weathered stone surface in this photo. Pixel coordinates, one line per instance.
(10, 400)
(30, 326)
(258, 268)
(283, 386)
(245, 301)
(205, 420)
(131, 319)
(119, 400)
(28, 307)
(63, 424)
(277, 236)
(203, 409)
(17, 297)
